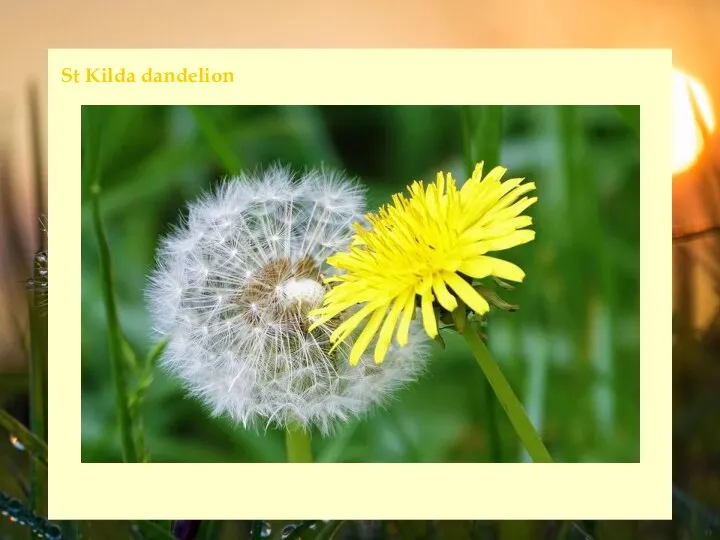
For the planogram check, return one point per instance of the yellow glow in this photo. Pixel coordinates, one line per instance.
(687, 136)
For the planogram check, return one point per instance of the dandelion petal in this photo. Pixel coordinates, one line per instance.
(467, 294)
(404, 328)
(483, 266)
(387, 330)
(446, 299)
(428, 315)
(366, 336)
(515, 239)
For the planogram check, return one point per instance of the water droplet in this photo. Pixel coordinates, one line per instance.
(16, 442)
(287, 531)
(265, 530)
(14, 507)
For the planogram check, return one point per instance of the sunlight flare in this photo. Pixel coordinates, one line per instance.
(687, 134)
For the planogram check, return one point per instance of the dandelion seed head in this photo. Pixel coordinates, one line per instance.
(233, 289)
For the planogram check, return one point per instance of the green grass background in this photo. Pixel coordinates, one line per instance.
(571, 353)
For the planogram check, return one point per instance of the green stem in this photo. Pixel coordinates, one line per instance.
(482, 140)
(38, 410)
(38, 367)
(514, 409)
(297, 442)
(116, 351)
(34, 445)
(461, 323)
(38, 320)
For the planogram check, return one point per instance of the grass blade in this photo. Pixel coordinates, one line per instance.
(38, 369)
(256, 529)
(38, 391)
(298, 531)
(224, 153)
(210, 530)
(70, 530)
(330, 529)
(38, 319)
(687, 510)
(154, 354)
(114, 334)
(34, 445)
(38, 165)
(117, 351)
(152, 531)
(483, 130)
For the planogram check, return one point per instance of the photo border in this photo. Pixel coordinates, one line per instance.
(366, 491)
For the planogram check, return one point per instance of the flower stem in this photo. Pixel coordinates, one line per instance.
(118, 374)
(297, 442)
(514, 409)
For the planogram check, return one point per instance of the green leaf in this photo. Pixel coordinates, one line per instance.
(503, 284)
(155, 353)
(493, 297)
(129, 354)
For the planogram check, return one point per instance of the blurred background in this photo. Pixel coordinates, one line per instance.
(571, 352)
(690, 27)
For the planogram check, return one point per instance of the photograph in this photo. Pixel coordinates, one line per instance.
(360, 284)
(393, 290)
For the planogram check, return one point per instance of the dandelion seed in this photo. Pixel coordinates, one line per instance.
(252, 355)
(426, 249)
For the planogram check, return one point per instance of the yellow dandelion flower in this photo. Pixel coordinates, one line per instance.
(427, 247)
